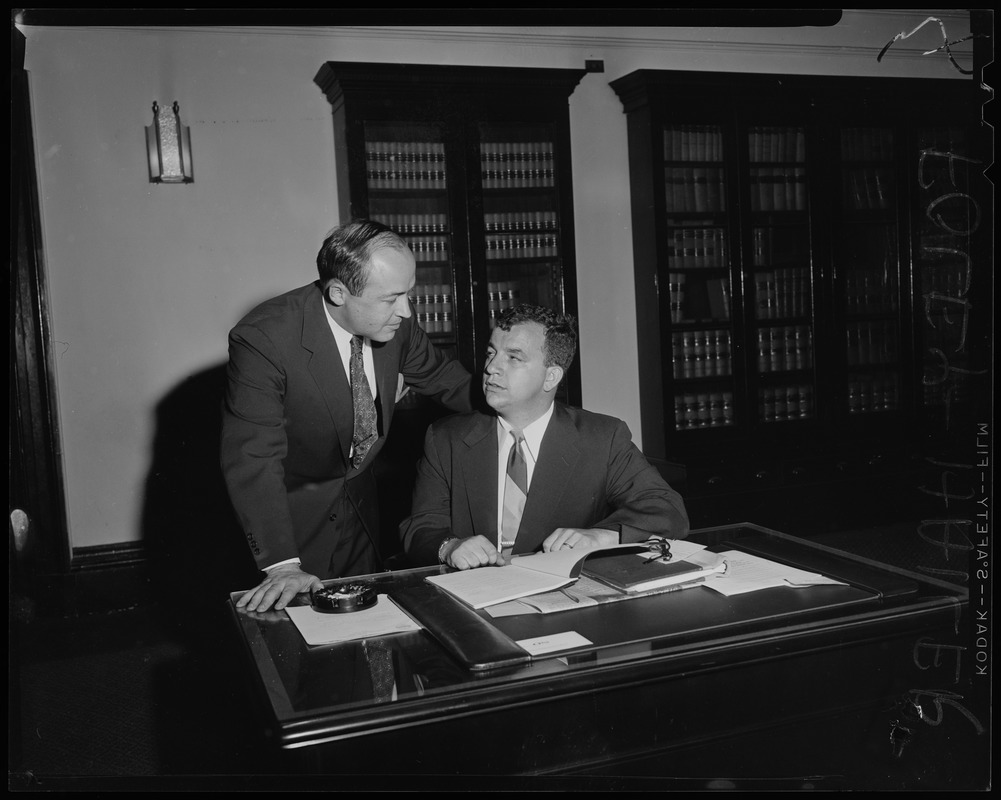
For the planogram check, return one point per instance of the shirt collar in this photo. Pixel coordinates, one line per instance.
(533, 433)
(341, 336)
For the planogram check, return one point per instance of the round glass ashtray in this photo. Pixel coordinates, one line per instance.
(344, 598)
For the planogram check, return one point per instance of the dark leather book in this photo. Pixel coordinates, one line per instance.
(639, 573)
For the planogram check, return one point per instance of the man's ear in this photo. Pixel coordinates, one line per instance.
(554, 375)
(337, 292)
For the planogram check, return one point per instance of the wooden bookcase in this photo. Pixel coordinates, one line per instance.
(472, 166)
(794, 284)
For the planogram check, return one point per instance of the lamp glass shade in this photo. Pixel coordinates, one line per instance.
(168, 145)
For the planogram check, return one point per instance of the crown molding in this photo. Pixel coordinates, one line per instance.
(732, 40)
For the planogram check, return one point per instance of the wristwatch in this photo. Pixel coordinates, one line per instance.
(441, 549)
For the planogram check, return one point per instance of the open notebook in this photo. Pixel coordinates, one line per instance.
(538, 573)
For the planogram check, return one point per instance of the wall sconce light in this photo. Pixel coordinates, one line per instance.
(168, 143)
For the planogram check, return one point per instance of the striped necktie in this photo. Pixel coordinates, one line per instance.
(515, 493)
(366, 429)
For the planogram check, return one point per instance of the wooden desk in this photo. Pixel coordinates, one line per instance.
(667, 675)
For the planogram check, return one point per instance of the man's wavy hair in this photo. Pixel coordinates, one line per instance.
(560, 332)
(347, 251)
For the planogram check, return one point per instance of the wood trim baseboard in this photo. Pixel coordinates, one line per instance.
(108, 556)
(101, 579)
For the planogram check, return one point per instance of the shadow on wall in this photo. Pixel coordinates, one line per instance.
(198, 556)
(195, 542)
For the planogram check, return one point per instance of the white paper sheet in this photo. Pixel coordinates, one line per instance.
(385, 617)
(749, 573)
(553, 643)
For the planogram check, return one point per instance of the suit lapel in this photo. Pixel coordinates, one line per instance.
(325, 367)
(479, 470)
(554, 468)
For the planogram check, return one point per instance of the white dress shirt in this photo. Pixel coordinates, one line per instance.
(343, 339)
(505, 441)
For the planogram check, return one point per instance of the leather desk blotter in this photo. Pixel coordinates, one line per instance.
(460, 630)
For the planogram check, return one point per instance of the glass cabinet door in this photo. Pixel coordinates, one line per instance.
(866, 271)
(406, 171)
(522, 237)
(407, 190)
(698, 277)
(779, 279)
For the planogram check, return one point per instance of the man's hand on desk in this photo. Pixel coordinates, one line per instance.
(475, 551)
(579, 539)
(278, 589)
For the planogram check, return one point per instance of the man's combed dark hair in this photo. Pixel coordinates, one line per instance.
(347, 250)
(561, 332)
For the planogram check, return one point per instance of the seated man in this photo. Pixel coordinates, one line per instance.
(539, 474)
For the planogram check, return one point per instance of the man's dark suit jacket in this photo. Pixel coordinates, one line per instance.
(588, 474)
(287, 428)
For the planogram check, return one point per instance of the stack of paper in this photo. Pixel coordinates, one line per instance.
(749, 573)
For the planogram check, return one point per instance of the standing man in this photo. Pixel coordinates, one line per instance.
(536, 474)
(312, 380)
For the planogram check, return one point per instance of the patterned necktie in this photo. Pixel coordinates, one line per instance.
(366, 428)
(515, 493)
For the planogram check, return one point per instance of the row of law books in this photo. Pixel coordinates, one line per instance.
(782, 293)
(433, 307)
(410, 156)
(429, 248)
(783, 403)
(405, 180)
(947, 280)
(517, 165)
(778, 188)
(770, 144)
(779, 245)
(405, 165)
(699, 189)
(701, 354)
(866, 144)
(435, 321)
(697, 248)
(717, 292)
(868, 189)
(956, 391)
(872, 342)
(703, 410)
(868, 292)
(872, 395)
(693, 143)
(531, 245)
(520, 221)
(414, 223)
(501, 295)
(784, 348)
